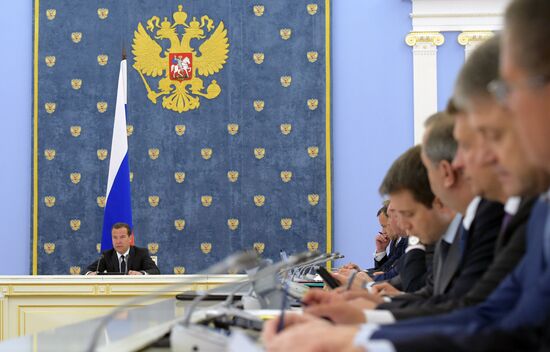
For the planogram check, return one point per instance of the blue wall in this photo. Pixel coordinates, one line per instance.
(15, 141)
(372, 118)
(450, 57)
(372, 113)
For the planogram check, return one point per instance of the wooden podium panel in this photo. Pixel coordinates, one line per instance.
(29, 304)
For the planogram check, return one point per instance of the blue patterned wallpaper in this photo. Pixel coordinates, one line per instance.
(247, 168)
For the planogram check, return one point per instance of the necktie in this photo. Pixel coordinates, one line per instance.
(501, 239)
(122, 264)
(505, 222)
(463, 233)
(444, 250)
(392, 248)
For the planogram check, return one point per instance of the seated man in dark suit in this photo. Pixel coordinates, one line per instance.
(405, 268)
(123, 257)
(409, 266)
(415, 268)
(384, 262)
(409, 177)
(390, 236)
(390, 268)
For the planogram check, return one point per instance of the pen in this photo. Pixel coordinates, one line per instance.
(351, 279)
(281, 324)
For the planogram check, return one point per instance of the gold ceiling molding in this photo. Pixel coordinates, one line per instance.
(434, 38)
(471, 37)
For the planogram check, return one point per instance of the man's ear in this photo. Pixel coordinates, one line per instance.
(448, 173)
(437, 203)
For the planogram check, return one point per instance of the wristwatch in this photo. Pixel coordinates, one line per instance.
(413, 240)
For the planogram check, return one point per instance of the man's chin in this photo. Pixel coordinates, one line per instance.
(513, 189)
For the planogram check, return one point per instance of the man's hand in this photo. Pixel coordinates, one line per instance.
(339, 313)
(313, 336)
(385, 289)
(363, 277)
(382, 241)
(133, 272)
(363, 304)
(351, 266)
(317, 296)
(345, 271)
(269, 330)
(363, 294)
(91, 273)
(357, 284)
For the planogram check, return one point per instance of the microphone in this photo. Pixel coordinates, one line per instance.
(284, 265)
(303, 272)
(316, 261)
(265, 283)
(191, 308)
(237, 261)
(252, 277)
(99, 261)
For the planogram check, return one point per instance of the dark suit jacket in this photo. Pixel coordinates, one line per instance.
(457, 277)
(509, 251)
(138, 260)
(388, 261)
(416, 266)
(522, 300)
(446, 268)
(522, 339)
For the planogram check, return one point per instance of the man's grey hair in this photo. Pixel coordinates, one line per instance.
(527, 22)
(479, 70)
(439, 143)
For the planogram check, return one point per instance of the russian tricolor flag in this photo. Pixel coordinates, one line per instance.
(118, 206)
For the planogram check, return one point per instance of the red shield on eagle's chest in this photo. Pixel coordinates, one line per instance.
(181, 66)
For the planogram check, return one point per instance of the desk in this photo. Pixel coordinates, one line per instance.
(127, 332)
(30, 304)
(131, 331)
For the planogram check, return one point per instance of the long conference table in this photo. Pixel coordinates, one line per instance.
(45, 313)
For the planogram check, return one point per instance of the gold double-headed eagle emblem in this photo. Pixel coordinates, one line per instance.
(180, 64)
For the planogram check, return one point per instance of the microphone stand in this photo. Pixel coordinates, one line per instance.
(311, 264)
(237, 261)
(192, 337)
(230, 297)
(99, 261)
(273, 268)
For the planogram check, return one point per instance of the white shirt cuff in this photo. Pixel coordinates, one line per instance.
(379, 255)
(416, 246)
(379, 316)
(364, 334)
(379, 346)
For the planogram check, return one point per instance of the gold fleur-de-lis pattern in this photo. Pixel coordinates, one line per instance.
(247, 170)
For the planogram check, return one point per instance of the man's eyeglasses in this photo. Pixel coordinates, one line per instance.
(501, 90)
